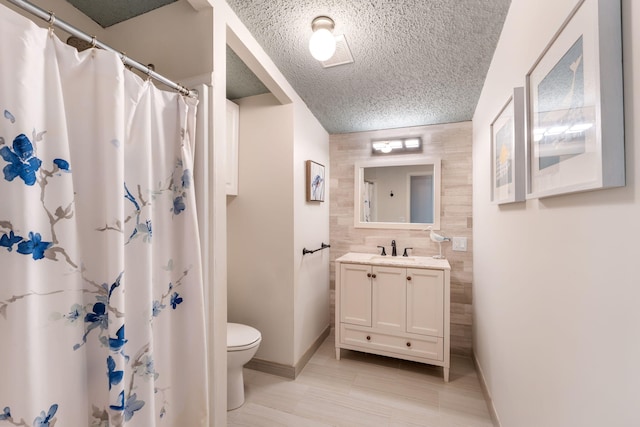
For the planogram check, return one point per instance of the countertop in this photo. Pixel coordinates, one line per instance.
(396, 261)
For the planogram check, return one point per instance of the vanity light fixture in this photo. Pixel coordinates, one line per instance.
(412, 142)
(396, 146)
(322, 43)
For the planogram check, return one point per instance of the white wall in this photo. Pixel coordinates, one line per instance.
(259, 227)
(271, 286)
(556, 287)
(156, 37)
(311, 228)
(177, 39)
(307, 282)
(65, 11)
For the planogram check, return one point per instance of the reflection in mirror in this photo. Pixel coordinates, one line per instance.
(397, 194)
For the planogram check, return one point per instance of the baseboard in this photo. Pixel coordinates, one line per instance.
(287, 371)
(311, 350)
(273, 368)
(485, 392)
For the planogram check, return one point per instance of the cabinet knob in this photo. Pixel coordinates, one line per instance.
(408, 344)
(408, 277)
(368, 337)
(373, 275)
(368, 274)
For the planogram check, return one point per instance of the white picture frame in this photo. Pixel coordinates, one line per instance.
(507, 151)
(573, 144)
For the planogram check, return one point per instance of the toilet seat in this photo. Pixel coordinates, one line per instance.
(242, 337)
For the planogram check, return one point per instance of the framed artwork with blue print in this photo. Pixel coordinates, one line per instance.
(315, 181)
(575, 126)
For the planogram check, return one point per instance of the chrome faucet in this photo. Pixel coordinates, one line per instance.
(393, 248)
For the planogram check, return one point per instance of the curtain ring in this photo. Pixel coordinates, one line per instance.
(52, 21)
(150, 68)
(93, 42)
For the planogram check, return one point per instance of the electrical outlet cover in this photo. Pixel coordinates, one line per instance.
(459, 244)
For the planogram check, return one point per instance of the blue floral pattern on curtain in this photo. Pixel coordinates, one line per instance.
(101, 296)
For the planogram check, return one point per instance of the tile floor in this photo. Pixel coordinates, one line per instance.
(364, 390)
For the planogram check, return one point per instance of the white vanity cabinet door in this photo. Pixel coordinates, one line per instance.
(355, 294)
(425, 302)
(389, 298)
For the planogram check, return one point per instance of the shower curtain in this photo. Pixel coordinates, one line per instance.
(101, 298)
(368, 202)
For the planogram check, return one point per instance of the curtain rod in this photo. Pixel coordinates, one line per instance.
(52, 20)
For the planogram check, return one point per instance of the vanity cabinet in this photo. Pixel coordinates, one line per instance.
(395, 307)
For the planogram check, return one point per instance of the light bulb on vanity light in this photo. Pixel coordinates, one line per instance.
(322, 43)
(386, 148)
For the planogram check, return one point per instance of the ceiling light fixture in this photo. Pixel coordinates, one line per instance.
(322, 44)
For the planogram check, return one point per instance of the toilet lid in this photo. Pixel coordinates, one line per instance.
(241, 335)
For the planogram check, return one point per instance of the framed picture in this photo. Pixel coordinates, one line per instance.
(507, 151)
(573, 142)
(315, 182)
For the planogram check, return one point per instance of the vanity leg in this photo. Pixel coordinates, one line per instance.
(446, 374)
(337, 353)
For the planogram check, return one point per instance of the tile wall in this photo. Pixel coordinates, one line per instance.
(452, 144)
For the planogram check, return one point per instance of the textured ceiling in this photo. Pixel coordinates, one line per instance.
(417, 62)
(241, 81)
(110, 12)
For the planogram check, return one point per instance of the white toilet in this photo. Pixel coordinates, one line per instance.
(242, 343)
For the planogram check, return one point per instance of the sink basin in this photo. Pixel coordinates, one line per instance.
(398, 259)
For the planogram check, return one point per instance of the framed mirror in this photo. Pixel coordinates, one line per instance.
(397, 194)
